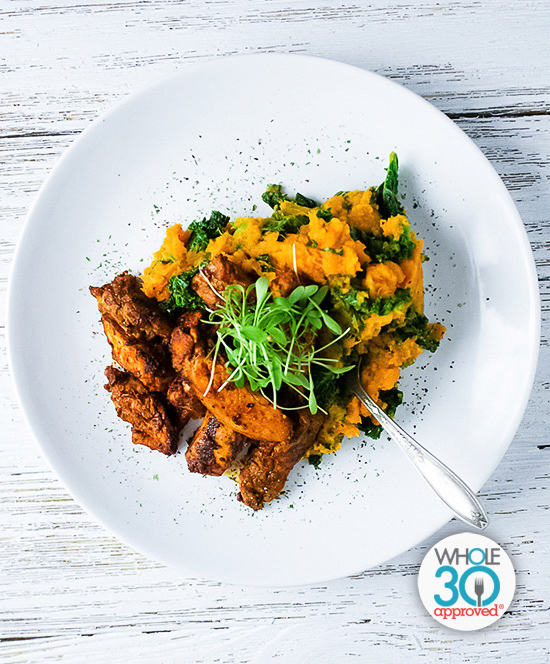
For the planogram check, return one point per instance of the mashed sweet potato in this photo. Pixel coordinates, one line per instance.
(371, 262)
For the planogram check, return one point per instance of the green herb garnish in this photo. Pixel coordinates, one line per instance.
(270, 342)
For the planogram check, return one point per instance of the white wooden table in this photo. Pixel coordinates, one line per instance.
(71, 592)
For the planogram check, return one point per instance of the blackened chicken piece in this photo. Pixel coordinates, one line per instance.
(181, 396)
(138, 315)
(148, 361)
(264, 474)
(185, 336)
(213, 448)
(211, 281)
(144, 410)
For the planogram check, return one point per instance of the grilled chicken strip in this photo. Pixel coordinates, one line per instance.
(284, 283)
(213, 448)
(214, 278)
(181, 396)
(265, 473)
(138, 315)
(148, 361)
(145, 411)
(185, 336)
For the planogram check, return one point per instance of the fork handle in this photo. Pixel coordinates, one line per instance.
(447, 485)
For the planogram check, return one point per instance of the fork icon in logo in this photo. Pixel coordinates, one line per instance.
(478, 589)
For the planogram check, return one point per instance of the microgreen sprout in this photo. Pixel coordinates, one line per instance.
(270, 341)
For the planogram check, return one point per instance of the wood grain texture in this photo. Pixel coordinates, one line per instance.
(71, 592)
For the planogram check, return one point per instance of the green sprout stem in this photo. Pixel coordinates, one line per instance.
(270, 342)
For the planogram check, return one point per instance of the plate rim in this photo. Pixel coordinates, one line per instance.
(70, 485)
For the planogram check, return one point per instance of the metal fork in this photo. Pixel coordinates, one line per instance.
(447, 485)
(478, 588)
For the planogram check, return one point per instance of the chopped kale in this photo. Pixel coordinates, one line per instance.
(418, 327)
(328, 250)
(315, 460)
(357, 308)
(324, 213)
(346, 203)
(386, 194)
(381, 248)
(370, 429)
(273, 195)
(182, 295)
(393, 398)
(328, 387)
(304, 201)
(265, 263)
(207, 229)
(282, 224)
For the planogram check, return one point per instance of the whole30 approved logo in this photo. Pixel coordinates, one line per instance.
(466, 581)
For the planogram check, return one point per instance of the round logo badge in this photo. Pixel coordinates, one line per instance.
(466, 581)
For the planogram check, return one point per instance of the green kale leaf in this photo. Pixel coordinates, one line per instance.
(266, 265)
(274, 195)
(182, 295)
(417, 326)
(207, 229)
(324, 213)
(328, 388)
(381, 248)
(282, 224)
(315, 460)
(357, 309)
(304, 201)
(393, 398)
(386, 194)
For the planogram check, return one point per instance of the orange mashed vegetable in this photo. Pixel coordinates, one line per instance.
(327, 249)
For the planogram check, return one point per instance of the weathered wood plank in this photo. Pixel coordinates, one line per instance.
(133, 605)
(68, 589)
(75, 59)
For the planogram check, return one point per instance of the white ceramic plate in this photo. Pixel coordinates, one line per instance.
(212, 138)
